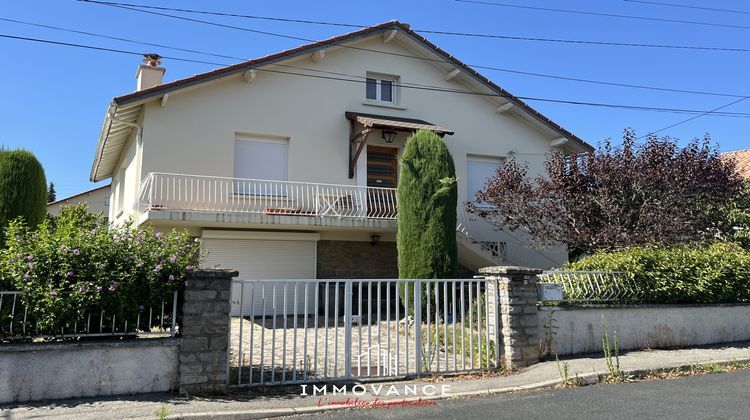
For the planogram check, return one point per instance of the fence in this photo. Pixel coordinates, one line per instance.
(293, 331)
(163, 191)
(594, 286)
(17, 324)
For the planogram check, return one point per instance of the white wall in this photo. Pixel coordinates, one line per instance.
(42, 371)
(579, 328)
(96, 200)
(194, 133)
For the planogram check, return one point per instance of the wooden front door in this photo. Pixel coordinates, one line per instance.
(382, 166)
(382, 172)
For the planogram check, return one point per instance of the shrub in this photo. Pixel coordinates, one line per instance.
(697, 273)
(427, 200)
(75, 263)
(23, 189)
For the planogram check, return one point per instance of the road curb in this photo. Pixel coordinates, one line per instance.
(592, 378)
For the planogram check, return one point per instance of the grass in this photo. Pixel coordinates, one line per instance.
(162, 412)
(702, 369)
(564, 370)
(612, 357)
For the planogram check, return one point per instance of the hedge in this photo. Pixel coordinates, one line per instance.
(76, 263)
(695, 273)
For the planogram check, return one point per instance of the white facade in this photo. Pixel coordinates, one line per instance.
(282, 121)
(97, 201)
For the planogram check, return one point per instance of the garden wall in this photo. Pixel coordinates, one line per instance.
(579, 328)
(41, 371)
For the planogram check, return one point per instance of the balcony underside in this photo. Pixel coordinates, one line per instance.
(229, 219)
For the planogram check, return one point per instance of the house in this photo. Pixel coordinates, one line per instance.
(286, 165)
(97, 200)
(742, 157)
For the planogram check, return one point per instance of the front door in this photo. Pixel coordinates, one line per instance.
(382, 172)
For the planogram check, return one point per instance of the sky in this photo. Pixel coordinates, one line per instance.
(53, 98)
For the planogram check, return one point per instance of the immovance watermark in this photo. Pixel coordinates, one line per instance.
(376, 395)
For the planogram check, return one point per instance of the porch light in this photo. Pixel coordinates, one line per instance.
(389, 136)
(374, 239)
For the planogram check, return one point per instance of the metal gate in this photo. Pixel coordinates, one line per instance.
(295, 331)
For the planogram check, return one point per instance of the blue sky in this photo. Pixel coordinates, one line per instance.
(54, 98)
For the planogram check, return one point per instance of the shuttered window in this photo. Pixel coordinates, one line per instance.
(478, 171)
(260, 158)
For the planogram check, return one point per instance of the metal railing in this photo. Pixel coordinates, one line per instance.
(17, 324)
(293, 331)
(595, 286)
(165, 191)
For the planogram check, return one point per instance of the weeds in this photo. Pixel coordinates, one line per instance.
(162, 412)
(564, 370)
(614, 373)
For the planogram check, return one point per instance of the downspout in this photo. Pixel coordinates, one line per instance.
(138, 154)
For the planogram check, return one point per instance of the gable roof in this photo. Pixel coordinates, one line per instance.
(121, 126)
(742, 157)
(80, 194)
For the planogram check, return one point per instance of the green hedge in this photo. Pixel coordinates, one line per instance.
(76, 263)
(696, 273)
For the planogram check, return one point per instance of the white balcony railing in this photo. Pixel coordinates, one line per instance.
(164, 191)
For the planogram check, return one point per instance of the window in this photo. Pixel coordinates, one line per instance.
(478, 171)
(381, 88)
(256, 158)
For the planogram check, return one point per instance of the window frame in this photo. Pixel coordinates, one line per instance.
(379, 78)
(470, 194)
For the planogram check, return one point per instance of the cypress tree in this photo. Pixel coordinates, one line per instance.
(427, 198)
(23, 189)
(51, 193)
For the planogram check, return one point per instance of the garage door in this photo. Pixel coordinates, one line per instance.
(265, 259)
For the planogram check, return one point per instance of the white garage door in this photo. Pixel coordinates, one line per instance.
(265, 259)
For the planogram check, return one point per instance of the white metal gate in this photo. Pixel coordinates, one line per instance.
(324, 330)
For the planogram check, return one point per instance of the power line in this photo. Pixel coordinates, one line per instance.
(585, 12)
(362, 80)
(491, 68)
(685, 6)
(694, 117)
(426, 31)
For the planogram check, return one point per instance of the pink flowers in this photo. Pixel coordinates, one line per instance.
(69, 274)
(112, 287)
(76, 251)
(171, 277)
(173, 259)
(53, 292)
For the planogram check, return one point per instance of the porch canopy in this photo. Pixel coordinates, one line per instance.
(384, 122)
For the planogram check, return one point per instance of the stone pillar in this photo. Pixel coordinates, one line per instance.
(512, 295)
(205, 331)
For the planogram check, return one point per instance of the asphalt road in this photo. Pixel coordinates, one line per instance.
(716, 396)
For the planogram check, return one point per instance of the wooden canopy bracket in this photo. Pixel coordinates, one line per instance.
(353, 158)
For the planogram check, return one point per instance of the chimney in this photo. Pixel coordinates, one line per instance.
(149, 73)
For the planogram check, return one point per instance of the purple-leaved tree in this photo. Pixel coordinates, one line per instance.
(634, 194)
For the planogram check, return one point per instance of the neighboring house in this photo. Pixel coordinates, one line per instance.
(287, 171)
(742, 157)
(97, 201)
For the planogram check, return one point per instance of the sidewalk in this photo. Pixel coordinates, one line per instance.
(275, 402)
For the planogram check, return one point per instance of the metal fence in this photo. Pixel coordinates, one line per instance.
(594, 286)
(17, 324)
(164, 191)
(293, 331)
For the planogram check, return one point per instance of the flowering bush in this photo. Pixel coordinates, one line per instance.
(76, 264)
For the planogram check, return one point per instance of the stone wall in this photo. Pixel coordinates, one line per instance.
(205, 331)
(512, 301)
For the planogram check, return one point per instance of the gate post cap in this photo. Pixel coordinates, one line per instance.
(509, 269)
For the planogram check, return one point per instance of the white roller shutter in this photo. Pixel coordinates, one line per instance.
(265, 259)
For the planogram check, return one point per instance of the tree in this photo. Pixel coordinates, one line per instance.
(51, 193)
(737, 224)
(427, 199)
(634, 194)
(23, 189)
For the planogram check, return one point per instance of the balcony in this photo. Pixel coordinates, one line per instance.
(208, 198)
